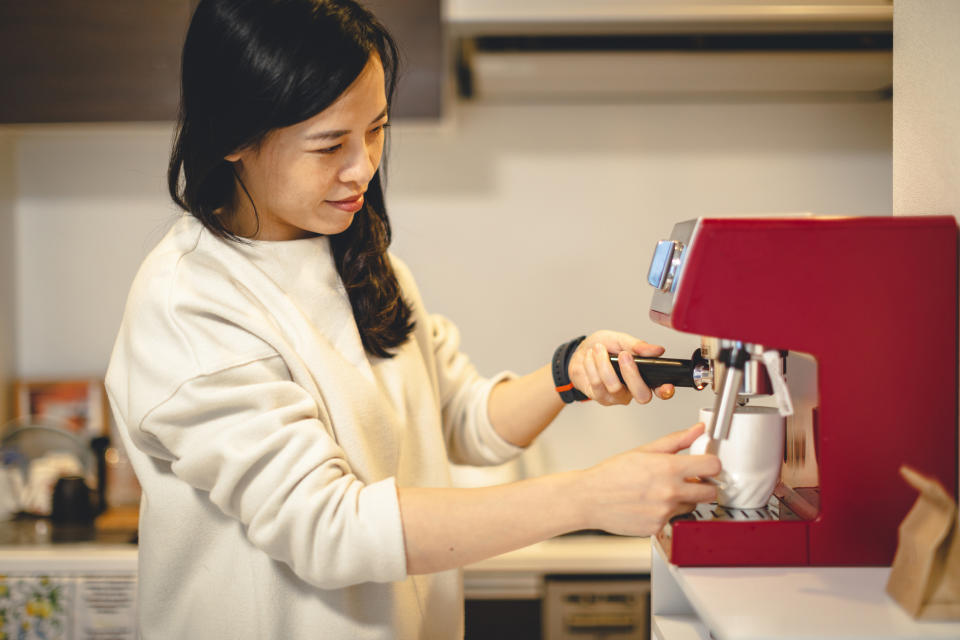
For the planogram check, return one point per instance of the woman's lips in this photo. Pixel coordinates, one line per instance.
(350, 205)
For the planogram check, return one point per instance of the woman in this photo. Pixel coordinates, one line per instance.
(288, 404)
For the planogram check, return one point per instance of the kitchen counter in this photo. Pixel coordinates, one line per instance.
(31, 544)
(67, 581)
(74, 558)
(101, 571)
(791, 603)
(28, 541)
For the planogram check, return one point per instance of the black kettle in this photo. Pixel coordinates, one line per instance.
(74, 503)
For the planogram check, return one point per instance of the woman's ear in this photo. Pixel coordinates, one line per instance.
(232, 157)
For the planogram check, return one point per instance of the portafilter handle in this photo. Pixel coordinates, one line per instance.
(695, 372)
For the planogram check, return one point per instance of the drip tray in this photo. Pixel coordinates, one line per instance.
(776, 509)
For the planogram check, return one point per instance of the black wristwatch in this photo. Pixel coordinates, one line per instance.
(561, 378)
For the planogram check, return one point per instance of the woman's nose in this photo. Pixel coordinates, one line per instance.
(360, 166)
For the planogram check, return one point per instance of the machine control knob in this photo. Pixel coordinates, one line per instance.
(665, 263)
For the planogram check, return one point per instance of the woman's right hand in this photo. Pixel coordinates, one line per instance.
(637, 492)
(634, 493)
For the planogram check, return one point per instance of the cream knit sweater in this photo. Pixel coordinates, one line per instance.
(269, 445)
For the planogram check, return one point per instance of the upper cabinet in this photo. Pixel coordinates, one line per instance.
(91, 61)
(417, 27)
(119, 61)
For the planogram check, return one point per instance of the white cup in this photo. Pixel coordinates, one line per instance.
(751, 456)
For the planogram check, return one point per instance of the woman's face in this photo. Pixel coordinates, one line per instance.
(309, 178)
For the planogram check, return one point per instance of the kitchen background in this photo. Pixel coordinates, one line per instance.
(527, 221)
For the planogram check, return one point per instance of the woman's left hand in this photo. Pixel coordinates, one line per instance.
(591, 371)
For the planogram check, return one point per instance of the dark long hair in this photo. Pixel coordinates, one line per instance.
(252, 66)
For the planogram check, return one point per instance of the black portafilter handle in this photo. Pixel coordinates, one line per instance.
(679, 373)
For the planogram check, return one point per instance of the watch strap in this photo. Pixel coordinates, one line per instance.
(561, 378)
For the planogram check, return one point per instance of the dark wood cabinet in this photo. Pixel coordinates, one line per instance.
(91, 60)
(417, 27)
(119, 60)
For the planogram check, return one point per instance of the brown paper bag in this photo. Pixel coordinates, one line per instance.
(925, 577)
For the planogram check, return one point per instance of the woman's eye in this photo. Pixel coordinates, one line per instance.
(336, 147)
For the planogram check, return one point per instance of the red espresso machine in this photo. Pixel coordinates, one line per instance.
(873, 300)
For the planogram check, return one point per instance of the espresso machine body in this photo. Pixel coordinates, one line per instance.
(874, 301)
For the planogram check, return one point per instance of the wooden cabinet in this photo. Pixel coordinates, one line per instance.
(91, 60)
(416, 26)
(119, 60)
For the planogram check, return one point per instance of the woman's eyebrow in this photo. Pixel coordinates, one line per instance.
(327, 135)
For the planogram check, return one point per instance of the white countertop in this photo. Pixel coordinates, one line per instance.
(69, 558)
(574, 554)
(800, 603)
(517, 574)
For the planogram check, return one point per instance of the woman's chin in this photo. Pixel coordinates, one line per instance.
(338, 227)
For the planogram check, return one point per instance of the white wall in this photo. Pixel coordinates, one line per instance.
(91, 204)
(527, 224)
(531, 224)
(926, 107)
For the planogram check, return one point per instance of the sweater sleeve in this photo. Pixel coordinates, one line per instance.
(253, 439)
(464, 395)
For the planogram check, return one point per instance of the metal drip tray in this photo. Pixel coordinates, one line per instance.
(711, 511)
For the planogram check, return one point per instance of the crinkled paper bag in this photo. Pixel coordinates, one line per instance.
(925, 577)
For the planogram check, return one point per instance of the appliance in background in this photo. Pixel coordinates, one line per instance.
(598, 608)
(874, 302)
(38, 454)
(565, 607)
(42, 459)
(525, 50)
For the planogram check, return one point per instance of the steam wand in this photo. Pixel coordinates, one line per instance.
(734, 357)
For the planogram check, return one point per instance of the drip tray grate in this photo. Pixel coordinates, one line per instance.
(711, 511)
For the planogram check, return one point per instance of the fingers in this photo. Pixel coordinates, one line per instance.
(592, 372)
(625, 342)
(602, 383)
(705, 465)
(682, 495)
(676, 441)
(608, 379)
(647, 350)
(637, 492)
(664, 391)
(635, 382)
(645, 503)
(694, 492)
(593, 386)
(615, 342)
(631, 375)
